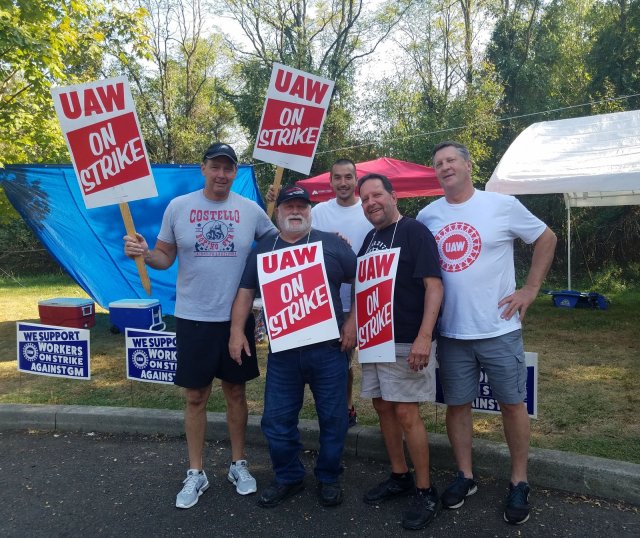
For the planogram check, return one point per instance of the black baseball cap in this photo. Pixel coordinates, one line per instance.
(291, 192)
(219, 149)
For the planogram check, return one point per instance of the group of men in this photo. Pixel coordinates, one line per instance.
(466, 297)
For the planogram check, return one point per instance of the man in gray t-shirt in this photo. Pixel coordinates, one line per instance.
(210, 232)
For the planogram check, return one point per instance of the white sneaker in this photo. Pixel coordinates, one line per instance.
(195, 485)
(241, 478)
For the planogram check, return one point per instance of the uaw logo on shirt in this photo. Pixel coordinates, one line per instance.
(459, 245)
(215, 238)
(376, 245)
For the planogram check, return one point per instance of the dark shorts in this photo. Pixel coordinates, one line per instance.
(203, 354)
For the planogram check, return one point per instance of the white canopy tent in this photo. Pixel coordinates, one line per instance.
(593, 161)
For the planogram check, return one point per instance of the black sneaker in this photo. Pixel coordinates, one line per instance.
(422, 510)
(516, 510)
(461, 487)
(276, 493)
(389, 489)
(329, 493)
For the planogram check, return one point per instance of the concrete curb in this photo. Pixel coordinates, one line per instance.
(616, 480)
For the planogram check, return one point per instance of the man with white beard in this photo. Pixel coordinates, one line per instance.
(322, 365)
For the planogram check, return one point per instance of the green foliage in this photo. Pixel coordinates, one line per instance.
(326, 39)
(435, 94)
(21, 253)
(181, 88)
(43, 44)
(193, 86)
(614, 58)
(248, 102)
(616, 278)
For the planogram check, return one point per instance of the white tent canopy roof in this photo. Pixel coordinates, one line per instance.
(593, 160)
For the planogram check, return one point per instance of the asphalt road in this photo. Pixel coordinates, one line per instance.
(84, 484)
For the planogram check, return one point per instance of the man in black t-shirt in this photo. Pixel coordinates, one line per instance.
(397, 387)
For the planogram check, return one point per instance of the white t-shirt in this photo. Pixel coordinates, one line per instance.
(213, 241)
(350, 222)
(475, 244)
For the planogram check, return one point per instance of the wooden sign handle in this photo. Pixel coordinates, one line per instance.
(276, 187)
(131, 230)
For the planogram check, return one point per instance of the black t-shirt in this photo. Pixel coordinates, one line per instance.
(339, 262)
(418, 259)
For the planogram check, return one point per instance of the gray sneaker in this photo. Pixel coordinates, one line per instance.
(195, 485)
(241, 478)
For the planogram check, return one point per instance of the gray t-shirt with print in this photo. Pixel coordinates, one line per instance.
(213, 241)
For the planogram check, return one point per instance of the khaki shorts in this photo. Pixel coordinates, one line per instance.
(396, 382)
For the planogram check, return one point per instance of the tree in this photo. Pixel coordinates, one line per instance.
(614, 58)
(539, 54)
(181, 97)
(329, 39)
(45, 43)
(437, 91)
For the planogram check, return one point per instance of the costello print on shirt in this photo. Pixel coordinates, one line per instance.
(213, 240)
(215, 232)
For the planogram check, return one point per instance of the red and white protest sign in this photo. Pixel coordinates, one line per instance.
(375, 282)
(296, 297)
(292, 118)
(100, 125)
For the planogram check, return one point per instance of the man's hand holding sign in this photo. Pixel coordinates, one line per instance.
(101, 129)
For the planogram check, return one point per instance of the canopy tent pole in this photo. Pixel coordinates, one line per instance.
(568, 247)
(568, 206)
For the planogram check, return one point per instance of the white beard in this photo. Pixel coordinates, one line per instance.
(291, 224)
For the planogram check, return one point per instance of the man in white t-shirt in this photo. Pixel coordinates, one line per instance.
(343, 214)
(482, 312)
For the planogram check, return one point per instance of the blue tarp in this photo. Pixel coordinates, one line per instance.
(88, 243)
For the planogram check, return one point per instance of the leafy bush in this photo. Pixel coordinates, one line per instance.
(21, 253)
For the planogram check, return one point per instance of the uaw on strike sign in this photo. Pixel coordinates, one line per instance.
(296, 297)
(294, 111)
(100, 126)
(375, 282)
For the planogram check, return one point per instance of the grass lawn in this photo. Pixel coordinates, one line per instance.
(589, 372)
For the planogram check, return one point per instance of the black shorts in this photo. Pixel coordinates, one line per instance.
(203, 354)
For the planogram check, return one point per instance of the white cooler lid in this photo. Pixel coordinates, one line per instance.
(65, 301)
(134, 303)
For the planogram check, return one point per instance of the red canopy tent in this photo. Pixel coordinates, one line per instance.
(408, 179)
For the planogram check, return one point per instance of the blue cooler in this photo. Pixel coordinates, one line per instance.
(136, 314)
(578, 299)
